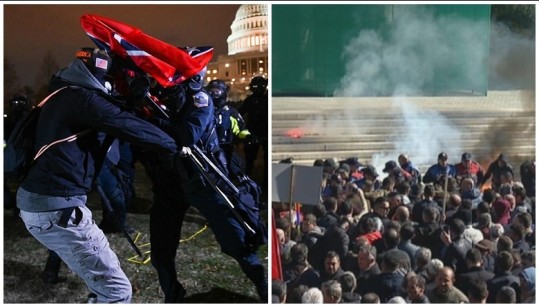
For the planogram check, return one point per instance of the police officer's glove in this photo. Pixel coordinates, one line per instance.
(172, 164)
(185, 151)
(171, 161)
(249, 139)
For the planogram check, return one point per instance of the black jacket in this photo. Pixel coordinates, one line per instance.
(502, 279)
(255, 111)
(428, 236)
(363, 277)
(351, 297)
(68, 169)
(334, 239)
(464, 279)
(455, 255)
(385, 285)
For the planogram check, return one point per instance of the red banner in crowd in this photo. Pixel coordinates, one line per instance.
(168, 64)
(276, 269)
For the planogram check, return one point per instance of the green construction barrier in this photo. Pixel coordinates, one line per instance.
(379, 50)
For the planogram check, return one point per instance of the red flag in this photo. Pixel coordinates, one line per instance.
(276, 269)
(166, 63)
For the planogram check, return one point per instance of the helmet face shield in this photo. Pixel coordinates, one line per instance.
(216, 93)
(217, 90)
(196, 82)
(258, 84)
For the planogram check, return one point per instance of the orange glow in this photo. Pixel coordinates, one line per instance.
(295, 133)
(485, 186)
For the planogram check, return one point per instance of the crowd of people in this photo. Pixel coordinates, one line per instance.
(453, 234)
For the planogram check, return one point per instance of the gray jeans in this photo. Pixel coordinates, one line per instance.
(84, 248)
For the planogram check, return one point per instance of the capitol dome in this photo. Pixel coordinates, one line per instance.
(249, 29)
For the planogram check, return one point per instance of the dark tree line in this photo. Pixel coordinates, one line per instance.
(34, 92)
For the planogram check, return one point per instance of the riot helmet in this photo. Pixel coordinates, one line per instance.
(258, 85)
(196, 81)
(217, 90)
(19, 104)
(98, 63)
(170, 99)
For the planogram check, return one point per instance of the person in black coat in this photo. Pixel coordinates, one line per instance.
(495, 170)
(367, 267)
(475, 270)
(332, 267)
(349, 284)
(407, 234)
(517, 233)
(255, 111)
(334, 239)
(428, 201)
(503, 276)
(298, 271)
(54, 193)
(456, 246)
(427, 235)
(330, 217)
(388, 283)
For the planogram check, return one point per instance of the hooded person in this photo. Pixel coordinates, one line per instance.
(52, 198)
(89, 70)
(502, 209)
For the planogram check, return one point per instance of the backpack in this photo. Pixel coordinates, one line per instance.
(19, 150)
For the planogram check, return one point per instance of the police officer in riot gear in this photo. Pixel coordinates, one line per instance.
(230, 126)
(255, 111)
(177, 184)
(18, 107)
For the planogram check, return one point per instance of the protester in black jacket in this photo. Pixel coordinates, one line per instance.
(476, 270)
(387, 284)
(334, 239)
(503, 276)
(53, 196)
(456, 246)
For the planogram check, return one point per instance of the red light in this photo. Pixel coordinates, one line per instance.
(295, 133)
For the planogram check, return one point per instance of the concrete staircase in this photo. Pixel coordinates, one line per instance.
(378, 129)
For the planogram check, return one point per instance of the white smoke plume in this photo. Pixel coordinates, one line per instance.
(417, 52)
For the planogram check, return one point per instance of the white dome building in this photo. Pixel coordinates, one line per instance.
(247, 51)
(249, 29)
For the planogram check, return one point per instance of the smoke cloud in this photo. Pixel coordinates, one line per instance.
(512, 59)
(419, 51)
(414, 54)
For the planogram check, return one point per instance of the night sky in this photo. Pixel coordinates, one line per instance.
(31, 30)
